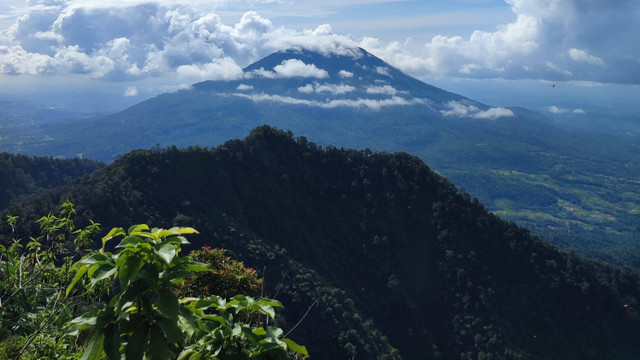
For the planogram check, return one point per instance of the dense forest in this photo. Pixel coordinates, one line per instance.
(386, 258)
(20, 174)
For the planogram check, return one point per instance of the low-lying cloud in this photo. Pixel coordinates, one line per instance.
(335, 89)
(458, 109)
(291, 68)
(373, 104)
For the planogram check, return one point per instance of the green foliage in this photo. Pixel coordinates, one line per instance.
(146, 319)
(381, 257)
(20, 174)
(227, 278)
(33, 277)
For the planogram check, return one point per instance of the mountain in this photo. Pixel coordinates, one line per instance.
(21, 175)
(575, 188)
(393, 261)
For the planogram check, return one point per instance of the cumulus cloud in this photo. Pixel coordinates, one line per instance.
(547, 40)
(217, 69)
(297, 68)
(291, 68)
(345, 74)
(556, 40)
(373, 104)
(458, 109)
(129, 40)
(307, 89)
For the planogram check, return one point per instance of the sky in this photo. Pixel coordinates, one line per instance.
(108, 54)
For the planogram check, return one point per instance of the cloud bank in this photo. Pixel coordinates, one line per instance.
(559, 40)
(127, 40)
(132, 40)
(372, 104)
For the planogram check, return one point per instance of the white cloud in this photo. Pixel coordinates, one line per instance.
(133, 39)
(372, 104)
(297, 68)
(547, 40)
(335, 89)
(556, 110)
(244, 87)
(583, 56)
(307, 89)
(218, 69)
(291, 68)
(385, 89)
(382, 70)
(345, 74)
(131, 91)
(458, 109)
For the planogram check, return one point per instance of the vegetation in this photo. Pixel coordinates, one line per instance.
(131, 295)
(382, 257)
(21, 175)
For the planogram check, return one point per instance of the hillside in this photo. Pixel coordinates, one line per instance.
(401, 264)
(21, 175)
(574, 187)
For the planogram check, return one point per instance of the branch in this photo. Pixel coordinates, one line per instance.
(303, 316)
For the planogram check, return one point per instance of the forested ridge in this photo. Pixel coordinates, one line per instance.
(391, 259)
(20, 174)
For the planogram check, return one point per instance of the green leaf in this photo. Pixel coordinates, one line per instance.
(129, 269)
(188, 322)
(96, 258)
(103, 271)
(171, 330)
(295, 347)
(112, 342)
(94, 348)
(159, 348)
(175, 273)
(138, 228)
(113, 233)
(137, 342)
(133, 291)
(197, 266)
(168, 304)
(267, 309)
(79, 274)
(167, 252)
(187, 231)
(274, 332)
(130, 241)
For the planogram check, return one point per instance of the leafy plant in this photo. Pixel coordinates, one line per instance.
(145, 318)
(33, 278)
(226, 278)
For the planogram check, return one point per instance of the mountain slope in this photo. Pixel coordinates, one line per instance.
(21, 175)
(574, 187)
(400, 263)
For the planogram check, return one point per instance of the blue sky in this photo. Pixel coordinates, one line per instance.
(112, 53)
